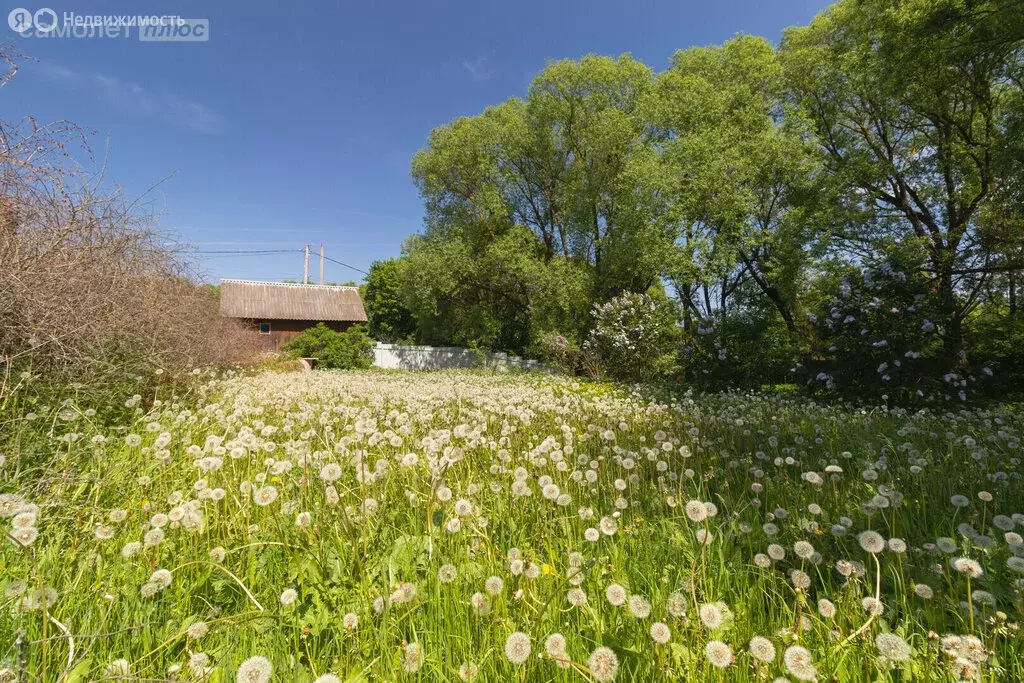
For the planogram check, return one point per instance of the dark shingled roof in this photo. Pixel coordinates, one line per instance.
(286, 301)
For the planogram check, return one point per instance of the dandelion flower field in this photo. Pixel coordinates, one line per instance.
(460, 526)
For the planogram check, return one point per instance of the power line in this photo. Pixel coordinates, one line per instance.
(262, 252)
(358, 270)
(238, 252)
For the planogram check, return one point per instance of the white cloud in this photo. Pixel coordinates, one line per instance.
(134, 99)
(478, 69)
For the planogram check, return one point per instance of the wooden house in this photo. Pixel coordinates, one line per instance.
(278, 311)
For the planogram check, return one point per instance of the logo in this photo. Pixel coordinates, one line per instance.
(45, 23)
(183, 30)
(45, 20)
(20, 20)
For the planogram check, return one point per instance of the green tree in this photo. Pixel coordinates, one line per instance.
(745, 176)
(741, 176)
(536, 207)
(910, 103)
(387, 317)
(501, 297)
(589, 114)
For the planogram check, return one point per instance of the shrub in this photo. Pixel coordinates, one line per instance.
(566, 354)
(879, 335)
(351, 350)
(634, 337)
(745, 349)
(995, 336)
(90, 292)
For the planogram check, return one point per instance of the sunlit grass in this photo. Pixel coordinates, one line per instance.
(383, 526)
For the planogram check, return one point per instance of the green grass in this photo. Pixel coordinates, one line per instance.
(617, 455)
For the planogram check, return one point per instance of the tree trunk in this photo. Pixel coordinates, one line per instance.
(780, 305)
(952, 333)
(770, 291)
(1013, 294)
(687, 325)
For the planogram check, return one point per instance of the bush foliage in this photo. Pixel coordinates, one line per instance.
(634, 337)
(91, 294)
(349, 350)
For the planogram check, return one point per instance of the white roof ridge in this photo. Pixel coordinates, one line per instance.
(286, 284)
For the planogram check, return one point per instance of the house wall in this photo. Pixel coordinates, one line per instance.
(399, 357)
(283, 331)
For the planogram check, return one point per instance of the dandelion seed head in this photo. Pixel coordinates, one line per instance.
(494, 585)
(762, 649)
(803, 550)
(676, 605)
(254, 670)
(197, 630)
(891, 648)
(718, 653)
(615, 594)
(554, 645)
(696, 511)
(710, 615)
(412, 658)
(161, 577)
(603, 664)
(447, 573)
(517, 647)
(871, 541)
(24, 536)
(468, 671)
(967, 567)
(799, 663)
(639, 607)
(873, 606)
(660, 632)
(577, 597)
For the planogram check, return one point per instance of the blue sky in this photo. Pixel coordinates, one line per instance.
(295, 123)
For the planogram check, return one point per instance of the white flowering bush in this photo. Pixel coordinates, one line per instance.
(634, 337)
(368, 526)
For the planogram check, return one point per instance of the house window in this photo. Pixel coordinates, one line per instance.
(264, 328)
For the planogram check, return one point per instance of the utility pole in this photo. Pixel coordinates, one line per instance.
(305, 268)
(321, 264)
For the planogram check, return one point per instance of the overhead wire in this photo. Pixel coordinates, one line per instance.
(239, 252)
(358, 270)
(263, 252)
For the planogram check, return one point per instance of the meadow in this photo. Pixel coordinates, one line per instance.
(371, 526)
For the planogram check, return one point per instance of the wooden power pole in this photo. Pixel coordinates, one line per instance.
(321, 264)
(305, 268)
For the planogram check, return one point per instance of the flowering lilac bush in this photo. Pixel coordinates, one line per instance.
(634, 337)
(875, 335)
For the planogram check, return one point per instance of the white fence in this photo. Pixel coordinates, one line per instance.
(398, 357)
